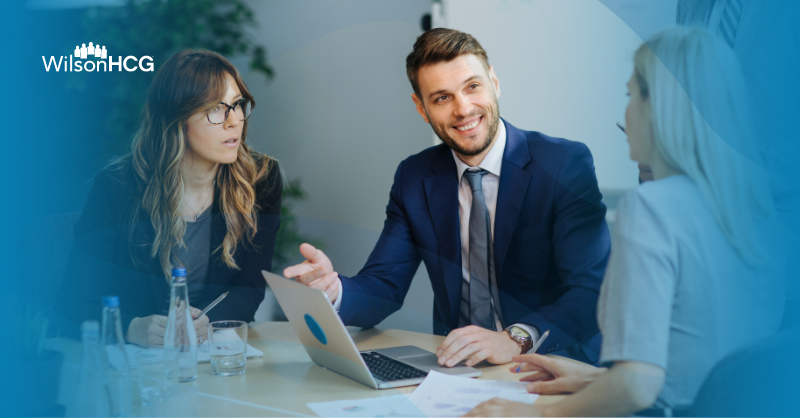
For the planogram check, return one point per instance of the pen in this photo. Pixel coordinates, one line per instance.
(536, 346)
(213, 304)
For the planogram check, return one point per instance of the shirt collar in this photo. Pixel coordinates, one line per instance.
(493, 161)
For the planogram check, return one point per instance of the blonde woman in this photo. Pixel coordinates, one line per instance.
(692, 276)
(191, 194)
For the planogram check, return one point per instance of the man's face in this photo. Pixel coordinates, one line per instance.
(459, 100)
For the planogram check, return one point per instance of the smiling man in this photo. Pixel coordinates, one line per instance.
(510, 224)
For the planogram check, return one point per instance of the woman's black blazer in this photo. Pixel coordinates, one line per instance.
(111, 255)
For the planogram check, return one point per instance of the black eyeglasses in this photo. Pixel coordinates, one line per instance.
(219, 114)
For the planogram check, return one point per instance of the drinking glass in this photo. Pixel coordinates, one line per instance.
(228, 347)
(158, 375)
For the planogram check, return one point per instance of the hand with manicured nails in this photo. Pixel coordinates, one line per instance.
(555, 374)
(316, 272)
(475, 344)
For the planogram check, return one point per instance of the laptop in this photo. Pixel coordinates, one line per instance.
(329, 344)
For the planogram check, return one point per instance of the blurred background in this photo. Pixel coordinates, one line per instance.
(333, 104)
(334, 107)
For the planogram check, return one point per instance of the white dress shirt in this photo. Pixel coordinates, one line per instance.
(490, 183)
(493, 163)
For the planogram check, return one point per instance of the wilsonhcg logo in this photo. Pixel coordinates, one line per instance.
(75, 63)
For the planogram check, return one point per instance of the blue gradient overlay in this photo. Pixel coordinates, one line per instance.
(54, 143)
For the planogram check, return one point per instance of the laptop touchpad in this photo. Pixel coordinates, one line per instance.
(424, 362)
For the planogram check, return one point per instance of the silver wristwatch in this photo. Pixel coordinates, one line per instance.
(521, 337)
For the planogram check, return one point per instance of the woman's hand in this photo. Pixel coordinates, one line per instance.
(147, 331)
(499, 407)
(200, 325)
(555, 374)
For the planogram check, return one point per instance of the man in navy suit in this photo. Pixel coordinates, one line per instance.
(510, 224)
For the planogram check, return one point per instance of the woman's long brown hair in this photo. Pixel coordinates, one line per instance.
(191, 81)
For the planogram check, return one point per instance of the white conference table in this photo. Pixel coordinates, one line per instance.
(281, 382)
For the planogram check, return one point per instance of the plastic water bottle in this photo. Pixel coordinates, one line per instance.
(180, 334)
(118, 370)
(93, 398)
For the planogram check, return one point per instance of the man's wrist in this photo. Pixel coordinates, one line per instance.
(337, 304)
(517, 349)
(521, 335)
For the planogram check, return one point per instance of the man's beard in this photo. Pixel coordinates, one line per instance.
(493, 125)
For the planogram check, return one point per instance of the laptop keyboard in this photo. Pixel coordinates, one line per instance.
(388, 369)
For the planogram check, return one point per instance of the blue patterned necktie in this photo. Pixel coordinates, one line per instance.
(730, 20)
(476, 302)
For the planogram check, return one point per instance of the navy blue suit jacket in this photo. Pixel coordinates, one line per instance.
(551, 242)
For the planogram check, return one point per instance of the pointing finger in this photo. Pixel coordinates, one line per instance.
(311, 253)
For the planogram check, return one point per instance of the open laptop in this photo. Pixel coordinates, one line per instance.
(328, 343)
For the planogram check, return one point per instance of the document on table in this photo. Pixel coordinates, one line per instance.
(443, 395)
(439, 395)
(382, 406)
(203, 353)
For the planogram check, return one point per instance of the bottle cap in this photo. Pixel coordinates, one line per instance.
(111, 301)
(179, 272)
(90, 327)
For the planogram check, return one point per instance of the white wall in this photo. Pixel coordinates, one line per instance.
(338, 115)
(562, 67)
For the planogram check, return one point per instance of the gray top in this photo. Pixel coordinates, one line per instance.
(195, 257)
(675, 293)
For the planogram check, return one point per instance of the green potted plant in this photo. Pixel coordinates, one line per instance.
(159, 29)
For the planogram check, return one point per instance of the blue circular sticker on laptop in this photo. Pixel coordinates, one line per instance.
(316, 329)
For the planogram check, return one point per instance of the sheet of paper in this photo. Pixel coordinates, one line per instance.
(383, 406)
(442, 395)
(203, 353)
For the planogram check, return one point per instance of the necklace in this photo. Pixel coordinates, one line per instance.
(198, 212)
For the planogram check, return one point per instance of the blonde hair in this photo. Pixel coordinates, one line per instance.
(188, 82)
(701, 124)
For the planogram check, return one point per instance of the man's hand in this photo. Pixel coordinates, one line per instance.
(316, 272)
(148, 331)
(200, 325)
(476, 344)
(498, 407)
(555, 374)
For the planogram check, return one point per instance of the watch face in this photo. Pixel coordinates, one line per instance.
(519, 332)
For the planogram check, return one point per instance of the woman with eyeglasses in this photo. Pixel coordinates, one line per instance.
(190, 194)
(694, 272)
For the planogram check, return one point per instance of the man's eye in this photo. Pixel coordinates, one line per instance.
(440, 98)
(474, 86)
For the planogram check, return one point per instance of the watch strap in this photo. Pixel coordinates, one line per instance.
(525, 344)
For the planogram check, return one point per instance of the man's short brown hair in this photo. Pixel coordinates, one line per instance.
(441, 45)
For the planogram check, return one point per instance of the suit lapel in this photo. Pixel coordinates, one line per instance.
(514, 182)
(441, 189)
